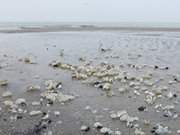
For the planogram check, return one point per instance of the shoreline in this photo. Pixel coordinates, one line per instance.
(28, 29)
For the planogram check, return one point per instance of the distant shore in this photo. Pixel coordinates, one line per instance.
(61, 28)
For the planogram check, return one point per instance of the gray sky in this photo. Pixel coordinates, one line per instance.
(90, 10)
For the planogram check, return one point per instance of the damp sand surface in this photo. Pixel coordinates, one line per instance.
(136, 48)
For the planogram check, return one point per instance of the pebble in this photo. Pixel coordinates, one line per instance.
(142, 108)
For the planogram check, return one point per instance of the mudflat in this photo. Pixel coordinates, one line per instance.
(62, 83)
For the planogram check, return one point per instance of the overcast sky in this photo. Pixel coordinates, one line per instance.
(90, 10)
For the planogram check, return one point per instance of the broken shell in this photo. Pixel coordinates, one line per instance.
(114, 116)
(20, 101)
(45, 117)
(138, 132)
(35, 113)
(85, 128)
(27, 60)
(57, 113)
(170, 95)
(106, 131)
(161, 130)
(124, 117)
(121, 113)
(169, 107)
(148, 83)
(33, 88)
(7, 94)
(36, 103)
(9, 104)
(3, 82)
(122, 90)
(51, 85)
(137, 93)
(147, 122)
(58, 96)
(98, 125)
(107, 86)
(133, 84)
(150, 99)
(79, 76)
(117, 133)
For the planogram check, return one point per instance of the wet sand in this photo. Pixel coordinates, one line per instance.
(140, 48)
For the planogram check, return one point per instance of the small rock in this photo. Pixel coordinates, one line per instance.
(141, 108)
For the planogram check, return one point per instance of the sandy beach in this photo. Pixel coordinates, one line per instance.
(102, 71)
